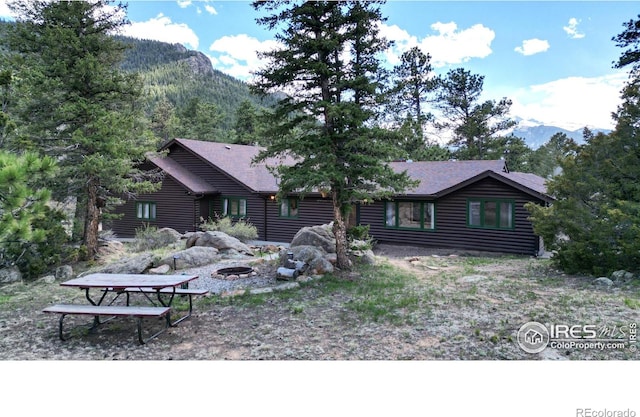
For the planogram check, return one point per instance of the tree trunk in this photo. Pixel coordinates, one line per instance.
(92, 219)
(340, 232)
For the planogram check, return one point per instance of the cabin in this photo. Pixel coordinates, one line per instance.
(476, 205)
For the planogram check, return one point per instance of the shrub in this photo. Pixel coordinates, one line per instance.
(360, 233)
(149, 238)
(240, 229)
(35, 258)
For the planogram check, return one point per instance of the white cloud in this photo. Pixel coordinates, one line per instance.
(161, 28)
(184, 3)
(210, 9)
(448, 46)
(532, 47)
(571, 103)
(238, 54)
(572, 29)
(4, 9)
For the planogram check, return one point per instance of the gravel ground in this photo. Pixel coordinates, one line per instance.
(472, 309)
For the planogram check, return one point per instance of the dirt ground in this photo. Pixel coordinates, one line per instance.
(475, 304)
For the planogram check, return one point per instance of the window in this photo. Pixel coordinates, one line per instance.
(410, 215)
(234, 207)
(289, 207)
(490, 213)
(145, 210)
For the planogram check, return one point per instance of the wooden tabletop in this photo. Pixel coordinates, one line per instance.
(102, 280)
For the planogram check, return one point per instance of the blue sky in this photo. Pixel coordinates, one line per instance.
(552, 59)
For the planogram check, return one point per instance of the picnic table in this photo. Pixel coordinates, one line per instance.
(98, 286)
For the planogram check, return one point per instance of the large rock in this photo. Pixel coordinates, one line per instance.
(318, 236)
(192, 257)
(321, 266)
(219, 240)
(313, 257)
(64, 272)
(603, 282)
(110, 249)
(192, 238)
(135, 265)
(305, 254)
(169, 235)
(363, 256)
(622, 276)
(10, 274)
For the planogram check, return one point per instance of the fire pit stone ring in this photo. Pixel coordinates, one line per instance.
(234, 272)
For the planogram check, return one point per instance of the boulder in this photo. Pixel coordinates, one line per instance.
(365, 257)
(318, 236)
(169, 235)
(192, 257)
(48, 279)
(192, 238)
(321, 266)
(305, 254)
(64, 272)
(622, 276)
(135, 265)
(219, 240)
(110, 248)
(161, 270)
(10, 274)
(603, 282)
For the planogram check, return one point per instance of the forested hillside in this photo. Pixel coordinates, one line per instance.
(180, 75)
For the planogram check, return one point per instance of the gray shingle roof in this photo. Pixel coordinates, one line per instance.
(235, 161)
(192, 182)
(437, 178)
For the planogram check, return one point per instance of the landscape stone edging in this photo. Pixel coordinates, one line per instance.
(267, 290)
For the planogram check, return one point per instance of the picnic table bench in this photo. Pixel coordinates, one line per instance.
(164, 286)
(114, 311)
(164, 291)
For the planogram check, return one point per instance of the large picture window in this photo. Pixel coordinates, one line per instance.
(234, 207)
(410, 215)
(289, 207)
(490, 213)
(145, 210)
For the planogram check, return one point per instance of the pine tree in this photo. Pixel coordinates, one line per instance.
(594, 224)
(330, 69)
(21, 203)
(77, 106)
(472, 123)
(414, 83)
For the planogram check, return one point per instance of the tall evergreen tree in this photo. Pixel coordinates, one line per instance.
(472, 123)
(330, 68)
(545, 161)
(594, 224)
(413, 84)
(199, 120)
(77, 105)
(512, 149)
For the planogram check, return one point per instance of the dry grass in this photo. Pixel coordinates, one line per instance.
(419, 307)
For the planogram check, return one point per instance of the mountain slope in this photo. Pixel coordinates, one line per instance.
(179, 74)
(536, 136)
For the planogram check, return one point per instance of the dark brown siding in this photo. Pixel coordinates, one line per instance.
(227, 187)
(451, 223)
(175, 209)
(311, 211)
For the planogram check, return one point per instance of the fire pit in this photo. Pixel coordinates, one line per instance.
(234, 272)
